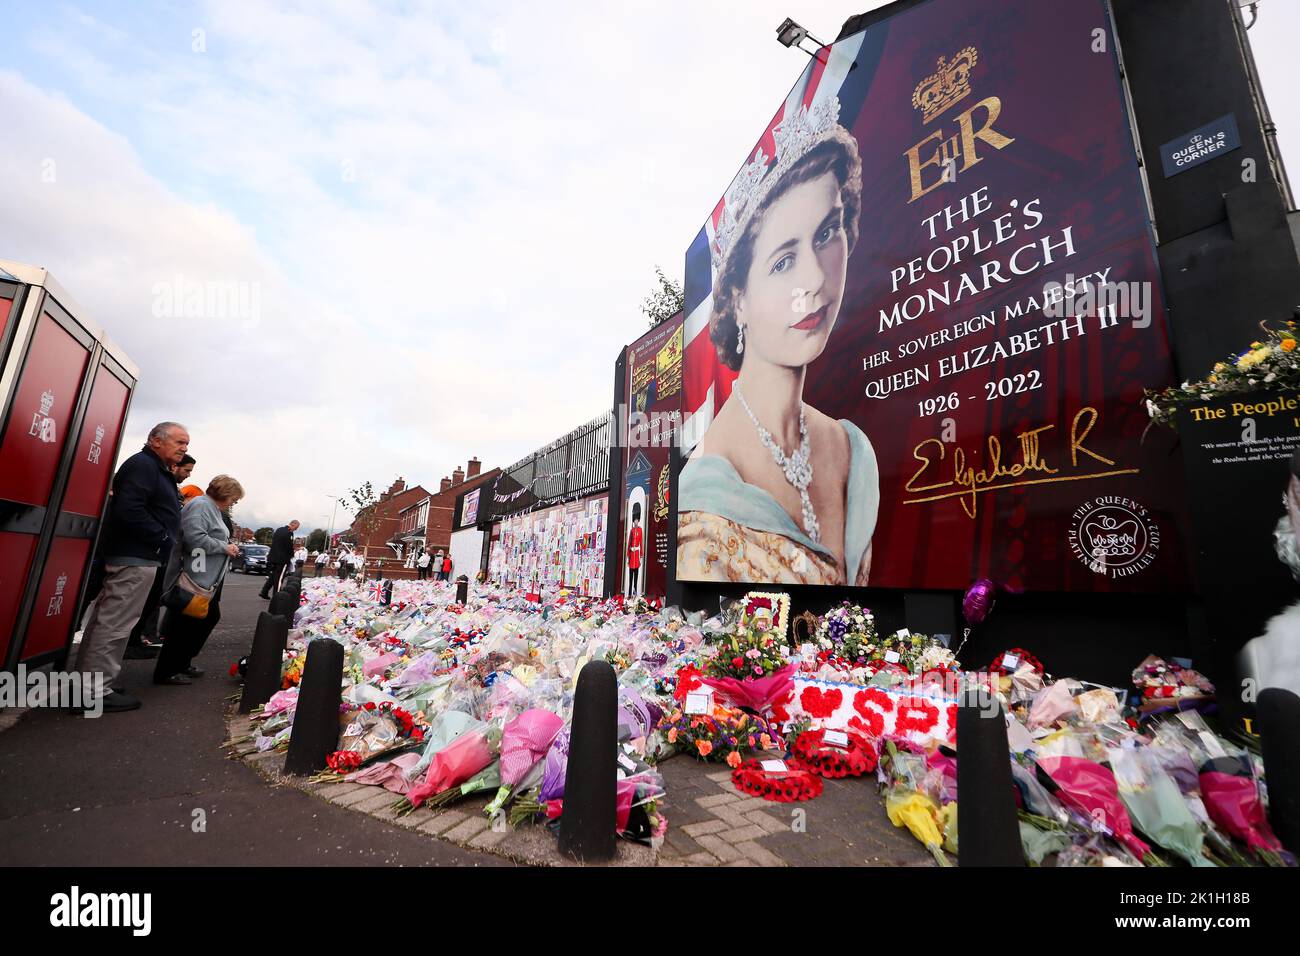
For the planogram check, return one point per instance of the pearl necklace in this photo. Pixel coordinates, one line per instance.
(797, 466)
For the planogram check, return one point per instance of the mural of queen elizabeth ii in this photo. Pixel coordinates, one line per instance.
(776, 491)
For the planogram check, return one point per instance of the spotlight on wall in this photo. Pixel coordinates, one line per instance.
(790, 33)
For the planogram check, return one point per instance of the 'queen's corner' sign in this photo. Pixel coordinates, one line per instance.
(1200, 145)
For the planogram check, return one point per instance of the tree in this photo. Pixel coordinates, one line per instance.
(263, 536)
(365, 506)
(664, 302)
(316, 540)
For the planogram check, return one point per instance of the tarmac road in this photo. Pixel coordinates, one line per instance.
(123, 789)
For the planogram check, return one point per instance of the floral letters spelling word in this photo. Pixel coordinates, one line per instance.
(871, 711)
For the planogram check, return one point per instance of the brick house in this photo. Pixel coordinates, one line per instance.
(427, 522)
(375, 540)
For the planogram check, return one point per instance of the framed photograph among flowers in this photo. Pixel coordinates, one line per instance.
(766, 611)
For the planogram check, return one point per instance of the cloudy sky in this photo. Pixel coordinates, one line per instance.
(439, 219)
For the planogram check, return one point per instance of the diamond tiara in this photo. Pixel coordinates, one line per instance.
(794, 136)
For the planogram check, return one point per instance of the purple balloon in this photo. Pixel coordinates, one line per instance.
(978, 602)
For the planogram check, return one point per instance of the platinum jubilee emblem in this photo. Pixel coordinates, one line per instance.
(1114, 536)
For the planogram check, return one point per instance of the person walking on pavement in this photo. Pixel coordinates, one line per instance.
(143, 644)
(279, 557)
(143, 524)
(422, 563)
(205, 550)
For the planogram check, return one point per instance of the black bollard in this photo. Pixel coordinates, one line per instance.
(285, 603)
(1279, 729)
(262, 675)
(985, 792)
(315, 733)
(462, 590)
(587, 824)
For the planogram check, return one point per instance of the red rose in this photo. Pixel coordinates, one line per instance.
(737, 662)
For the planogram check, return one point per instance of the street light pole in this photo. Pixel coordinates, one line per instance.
(329, 534)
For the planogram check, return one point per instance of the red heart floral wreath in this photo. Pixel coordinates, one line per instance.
(834, 762)
(1022, 655)
(788, 786)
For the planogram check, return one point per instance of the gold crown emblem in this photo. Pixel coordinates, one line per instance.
(946, 86)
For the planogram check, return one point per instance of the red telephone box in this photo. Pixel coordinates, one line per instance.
(65, 390)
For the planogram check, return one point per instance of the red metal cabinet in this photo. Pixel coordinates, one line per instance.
(41, 413)
(65, 391)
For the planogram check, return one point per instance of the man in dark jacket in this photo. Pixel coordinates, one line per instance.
(143, 522)
(144, 643)
(280, 555)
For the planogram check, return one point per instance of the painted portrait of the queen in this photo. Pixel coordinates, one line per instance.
(776, 491)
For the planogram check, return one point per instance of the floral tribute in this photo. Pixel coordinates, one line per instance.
(291, 676)
(727, 735)
(1271, 364)
(373, 729)
(783, 786)
(686, 679)
(747, 655)
(917, 799)
(848, 632)
(749, 666)
(847, 641)
(761, 611)
(832, 761)
(343, 761)
(922, 716)
(1014, 659)
(1157, 679)
(459, 681)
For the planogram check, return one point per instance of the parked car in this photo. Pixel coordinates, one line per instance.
(251, 559)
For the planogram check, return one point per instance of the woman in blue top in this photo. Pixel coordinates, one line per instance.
(776, 491)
